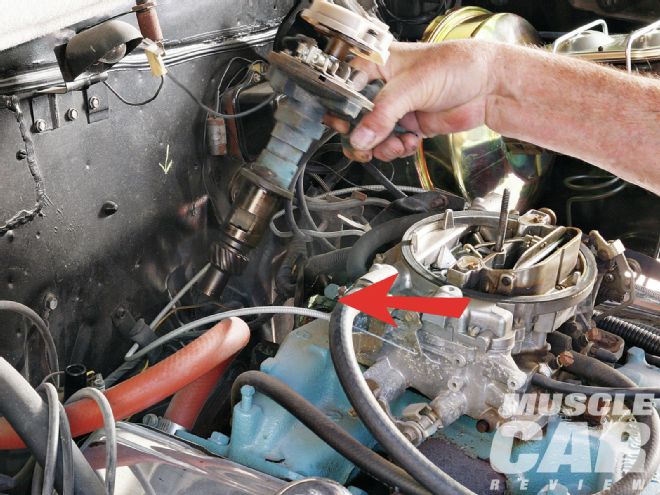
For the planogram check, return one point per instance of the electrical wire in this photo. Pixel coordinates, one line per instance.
(297, 177)
(50, 376)
(53, 438)
(24, 216)
(42, 328)
(304, 209)
(184, 290)
(174, 311)
(109, 429)
(171, 304)
(321, 205)
(210, 111)
(136, 103)
(368, 187)
(66, 441)
(333, 234)
(258, 310)
(378, 176)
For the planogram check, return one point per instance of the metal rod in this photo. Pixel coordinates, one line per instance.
(504, 221)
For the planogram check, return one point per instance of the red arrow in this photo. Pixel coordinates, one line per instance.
(374, 301)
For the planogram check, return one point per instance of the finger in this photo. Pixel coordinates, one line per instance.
(410, 143)
(390, 149)
(337, 123)
(391, 104)
(367, 67)
(358, 156)
(398, 61)
(411, 123)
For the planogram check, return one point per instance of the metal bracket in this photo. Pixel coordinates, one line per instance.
(45, 115)
(580, 30)
(634, 36)
(97, 103)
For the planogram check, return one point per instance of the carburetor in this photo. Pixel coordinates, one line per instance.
(525, 277)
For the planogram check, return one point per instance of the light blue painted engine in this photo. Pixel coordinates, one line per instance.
(641, 372)
(267, 438)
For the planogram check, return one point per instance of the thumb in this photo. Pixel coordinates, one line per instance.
(392, 103)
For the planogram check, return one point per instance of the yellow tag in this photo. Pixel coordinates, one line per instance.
(155, 58)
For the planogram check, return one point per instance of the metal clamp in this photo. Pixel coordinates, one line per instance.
(580, 30)
(634, 36)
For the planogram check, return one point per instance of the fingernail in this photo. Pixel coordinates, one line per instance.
(363, 138)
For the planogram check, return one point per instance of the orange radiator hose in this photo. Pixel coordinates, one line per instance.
(188, 402)
(205, 357)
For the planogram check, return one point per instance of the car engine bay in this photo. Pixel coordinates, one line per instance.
(201, 293)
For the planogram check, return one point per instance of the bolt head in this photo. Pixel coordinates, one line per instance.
(94, 102)
(21, 155)
(39, 125)
(71, 114)
(51, 302)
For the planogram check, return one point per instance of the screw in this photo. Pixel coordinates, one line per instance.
(21, 154)
(504, 219)
(565, 359)
(609, 278)
(94, 102)
(120, 312)
(109, 208)
(39, 125)
(506, 280)
(71, 114)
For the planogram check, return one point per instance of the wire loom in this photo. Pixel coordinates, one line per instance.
(24, 216)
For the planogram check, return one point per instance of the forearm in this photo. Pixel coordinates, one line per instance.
(598, 114)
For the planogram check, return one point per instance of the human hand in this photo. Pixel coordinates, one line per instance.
(430, 89)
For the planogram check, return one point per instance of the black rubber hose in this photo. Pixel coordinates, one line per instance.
(366, 247)
(634, 335)
(653, 360)
(372, 414)
(595, 371)
(27, 413)
(327, 430)
(332, 263)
